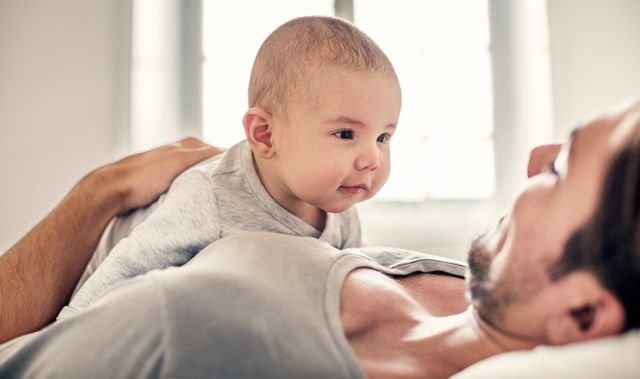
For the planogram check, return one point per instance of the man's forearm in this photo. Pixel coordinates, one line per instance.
(38, 274)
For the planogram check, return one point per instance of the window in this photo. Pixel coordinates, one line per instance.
(443, 148)
(456, 158)
(231, 39)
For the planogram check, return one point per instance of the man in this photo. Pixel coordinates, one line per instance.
(39, 272)
(261, 305)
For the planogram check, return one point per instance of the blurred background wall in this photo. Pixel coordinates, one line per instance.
(63, 100)
(65, 95)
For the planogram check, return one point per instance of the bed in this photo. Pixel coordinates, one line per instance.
(613, 357)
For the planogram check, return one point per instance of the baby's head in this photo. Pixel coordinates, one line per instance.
(324, 100)
(289, 55)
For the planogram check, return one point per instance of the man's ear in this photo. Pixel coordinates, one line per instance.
(585, 310)
(258, 129)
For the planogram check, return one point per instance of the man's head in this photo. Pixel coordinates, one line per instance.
(324, 101)
(561, 267)
(608, 244)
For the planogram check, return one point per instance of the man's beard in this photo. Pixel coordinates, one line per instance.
(484, 293)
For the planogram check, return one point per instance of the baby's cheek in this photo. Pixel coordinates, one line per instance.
(318, 179)
(382, 175)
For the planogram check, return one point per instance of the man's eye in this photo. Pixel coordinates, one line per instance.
(344, 134)
(559, 165)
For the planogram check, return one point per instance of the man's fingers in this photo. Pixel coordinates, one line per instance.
(193, 155)
(541, 156)
(191, 150)
(190, 142)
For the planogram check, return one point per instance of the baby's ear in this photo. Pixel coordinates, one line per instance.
(588, 310)
(257, 128)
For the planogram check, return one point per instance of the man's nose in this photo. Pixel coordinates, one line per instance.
(368, 158)
(540, 157)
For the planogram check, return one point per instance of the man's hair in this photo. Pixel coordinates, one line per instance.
(302, 43)
(608, 245)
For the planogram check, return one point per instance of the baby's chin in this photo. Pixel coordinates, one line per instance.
(338, 207)
(340, 204)
(335, 209)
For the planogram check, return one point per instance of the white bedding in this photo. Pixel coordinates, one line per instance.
(614, 357)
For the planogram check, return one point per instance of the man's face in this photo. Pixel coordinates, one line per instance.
(332, 146)
(509, 265)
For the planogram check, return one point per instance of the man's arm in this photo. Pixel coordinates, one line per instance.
(184, 223)
(38, 274)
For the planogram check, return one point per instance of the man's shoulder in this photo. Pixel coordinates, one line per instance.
(403, 261)
(121, 335)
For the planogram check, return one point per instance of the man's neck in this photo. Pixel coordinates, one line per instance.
(443, 346)
(416, 327)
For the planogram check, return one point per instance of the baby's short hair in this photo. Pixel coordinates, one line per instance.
(289, 51)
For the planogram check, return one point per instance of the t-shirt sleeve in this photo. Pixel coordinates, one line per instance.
(122, 336)
(185, 222)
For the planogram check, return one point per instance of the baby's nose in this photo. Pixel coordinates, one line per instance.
(369, 158)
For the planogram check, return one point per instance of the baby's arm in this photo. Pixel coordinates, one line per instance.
(181, 226)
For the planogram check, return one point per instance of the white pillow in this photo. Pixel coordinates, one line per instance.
(614, 357)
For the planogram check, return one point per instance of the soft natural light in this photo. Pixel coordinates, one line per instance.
(232, 34)
(154, 81)
(443, 148)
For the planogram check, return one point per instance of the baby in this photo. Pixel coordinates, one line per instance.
(324, 101)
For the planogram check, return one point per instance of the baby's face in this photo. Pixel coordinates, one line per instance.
(332, 148)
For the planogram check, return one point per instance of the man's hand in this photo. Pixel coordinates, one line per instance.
(38, 274)
(542, 156)
(139, 179)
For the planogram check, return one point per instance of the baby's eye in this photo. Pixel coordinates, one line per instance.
(384, 137)
(344, 134)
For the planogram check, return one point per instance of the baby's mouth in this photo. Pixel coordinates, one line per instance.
(353, 190)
